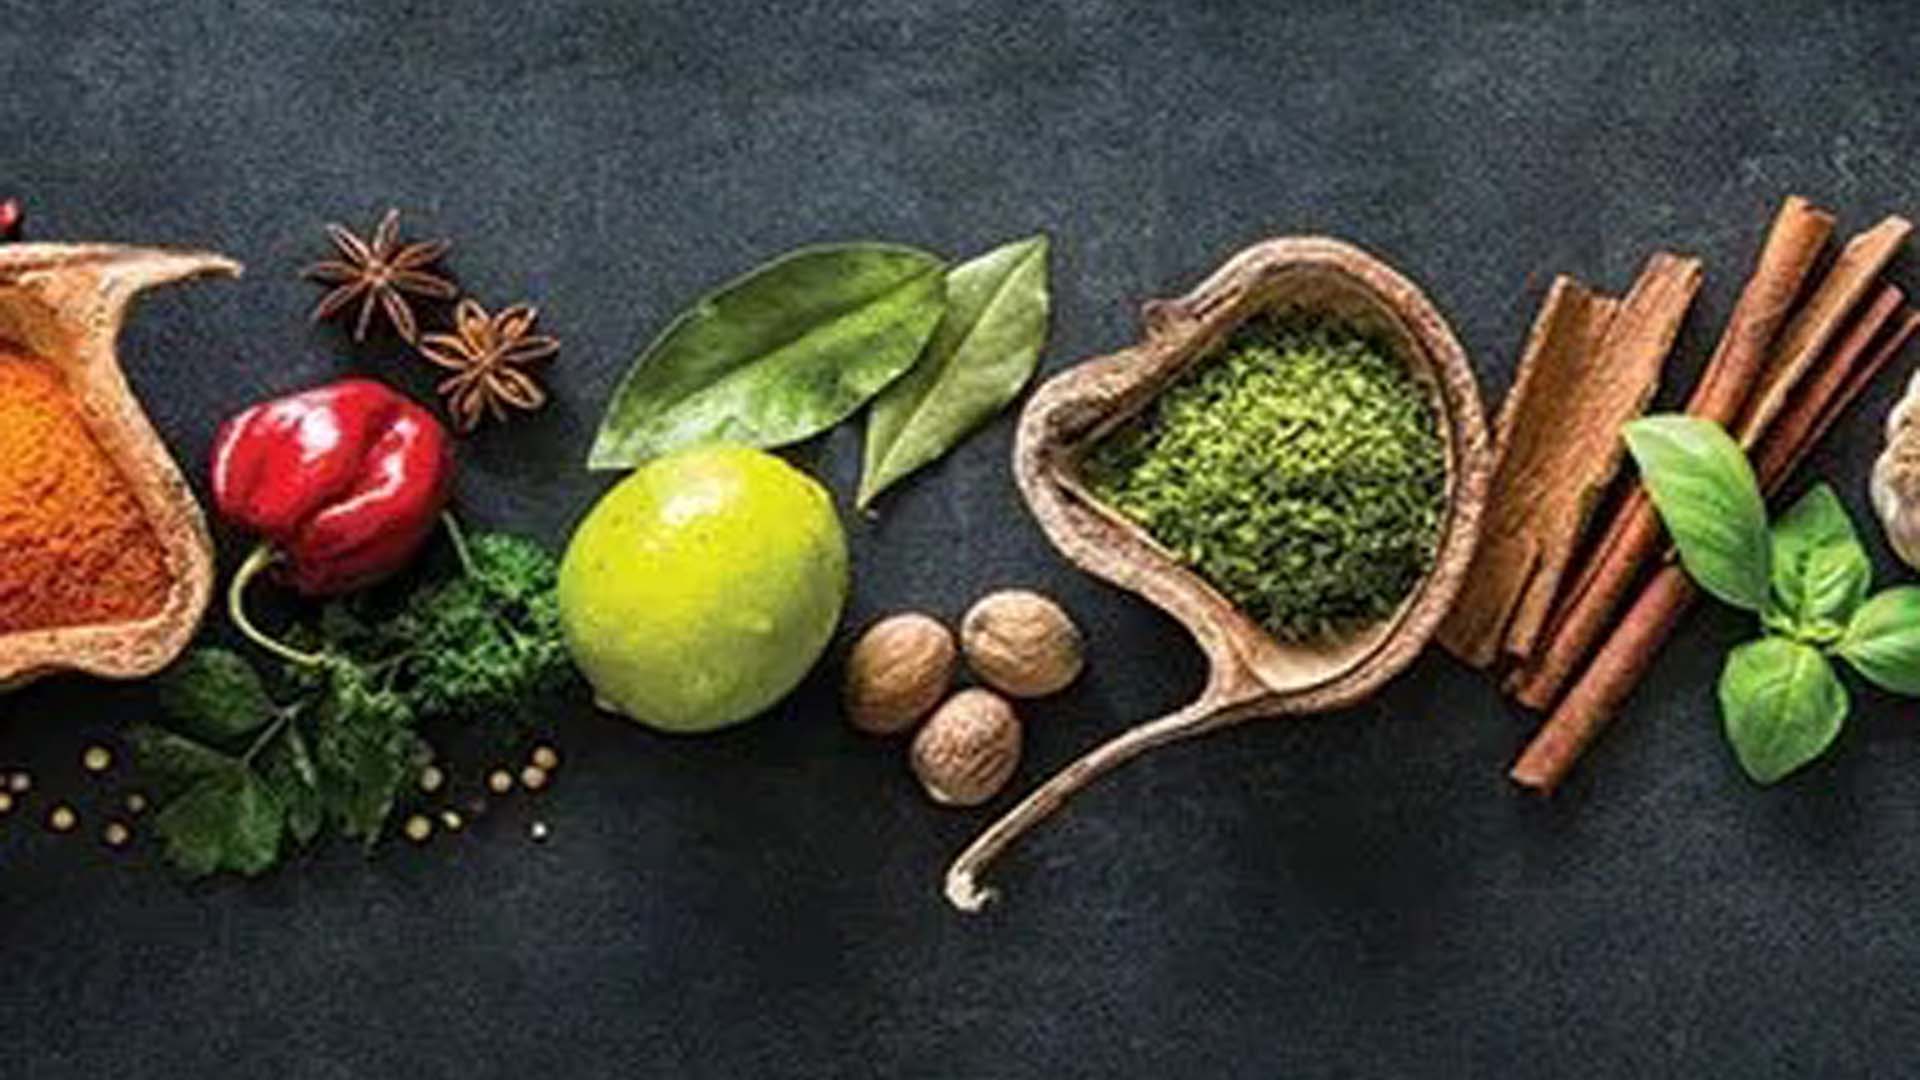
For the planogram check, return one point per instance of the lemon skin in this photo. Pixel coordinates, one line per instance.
(702, 588)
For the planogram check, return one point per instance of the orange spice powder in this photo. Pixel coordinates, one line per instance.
(75, 548)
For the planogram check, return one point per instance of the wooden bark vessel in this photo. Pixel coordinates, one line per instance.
(66, 303)
(1251, 674)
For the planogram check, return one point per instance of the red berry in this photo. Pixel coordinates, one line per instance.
(10, 218)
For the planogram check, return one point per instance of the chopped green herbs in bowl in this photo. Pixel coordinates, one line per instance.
(1300, 471)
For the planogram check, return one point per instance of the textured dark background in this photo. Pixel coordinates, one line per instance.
(1360, 894)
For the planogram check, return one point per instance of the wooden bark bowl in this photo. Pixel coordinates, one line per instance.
(66, 303)
(1251, 674)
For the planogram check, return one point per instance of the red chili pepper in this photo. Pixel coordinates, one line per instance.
(344, 484)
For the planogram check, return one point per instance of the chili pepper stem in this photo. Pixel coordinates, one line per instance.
(258, 562)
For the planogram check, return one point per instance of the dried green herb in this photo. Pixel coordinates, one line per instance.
(1300, 471)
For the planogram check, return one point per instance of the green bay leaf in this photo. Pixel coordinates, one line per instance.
(981, 354)
(778, 355)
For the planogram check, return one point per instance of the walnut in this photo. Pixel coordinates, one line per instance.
(1022, 643)
(968, 749)
(898, 671)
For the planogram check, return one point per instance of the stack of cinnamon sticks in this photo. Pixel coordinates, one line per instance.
(1575, 635)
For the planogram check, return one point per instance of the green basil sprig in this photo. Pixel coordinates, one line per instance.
(1781, 702)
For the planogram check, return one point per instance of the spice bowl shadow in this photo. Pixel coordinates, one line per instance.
(1252, 674)
(62, 306)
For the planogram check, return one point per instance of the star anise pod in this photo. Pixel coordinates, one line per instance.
(382, 273)
(489, 356)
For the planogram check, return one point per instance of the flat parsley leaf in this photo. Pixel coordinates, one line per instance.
(287, 768)
(173, 763)
(226, 821)
(216, 694)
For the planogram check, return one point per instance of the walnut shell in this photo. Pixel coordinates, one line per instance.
(898, 671)
(66, 303)
(968, 750)
(1022, 643)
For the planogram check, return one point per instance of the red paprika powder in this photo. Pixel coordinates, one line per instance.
(76, 548)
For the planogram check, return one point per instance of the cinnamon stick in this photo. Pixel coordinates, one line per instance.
(1797, 432)
(1617, 668)
(1591, 364)
(1582, 614)
(1628, 653)
(1840, 292)
(1559, 355)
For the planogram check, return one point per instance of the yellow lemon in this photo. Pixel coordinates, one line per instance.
(703, 587)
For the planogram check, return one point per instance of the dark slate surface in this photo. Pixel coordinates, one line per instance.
(1355, 895)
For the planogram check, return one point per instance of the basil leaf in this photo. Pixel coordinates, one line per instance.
(1820, 570)
(1706, 494)
(982, 353)
(1781, 705)
(227, 821)
(215, 694)
(783, 353)
(1882, 641)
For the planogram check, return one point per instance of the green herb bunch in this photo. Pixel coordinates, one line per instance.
(1301, 472)
(245, 777)
(1807, 579)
